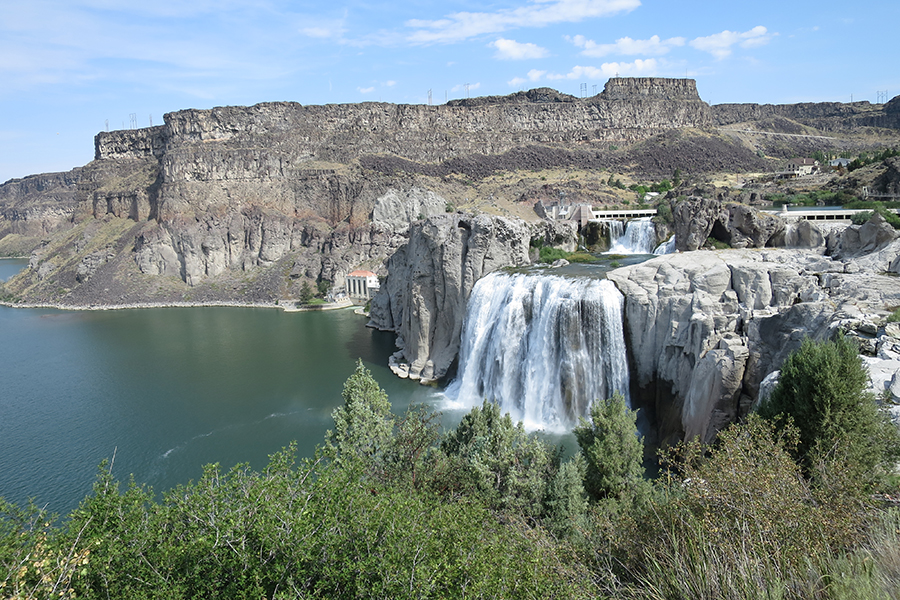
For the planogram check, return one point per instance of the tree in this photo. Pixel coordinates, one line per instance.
(822, 388)
(306, 293)
(612, 447)
(498, 462)
(363, 426)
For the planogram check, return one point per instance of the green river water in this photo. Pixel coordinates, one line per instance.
(168, 390)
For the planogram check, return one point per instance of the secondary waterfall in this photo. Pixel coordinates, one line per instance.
(543, 347)
(639, 237)
(667, 247)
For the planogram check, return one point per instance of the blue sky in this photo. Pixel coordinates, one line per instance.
(69, 67)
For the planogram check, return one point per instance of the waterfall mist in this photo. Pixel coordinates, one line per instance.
(543, 347)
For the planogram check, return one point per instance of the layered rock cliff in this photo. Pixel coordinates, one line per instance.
(248, 203)
(704, 328)
(431, 277)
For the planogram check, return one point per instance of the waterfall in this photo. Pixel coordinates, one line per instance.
(639, 237)
(667, 247)
(543, 347)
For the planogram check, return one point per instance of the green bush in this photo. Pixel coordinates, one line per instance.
(548, 254)
(612, 448)
(822, 389)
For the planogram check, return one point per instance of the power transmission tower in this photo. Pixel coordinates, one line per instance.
(467, 90)
(594, 90)
(151, 120)
(429, 97)
(107, 125)
(583, 90)
(133, 120)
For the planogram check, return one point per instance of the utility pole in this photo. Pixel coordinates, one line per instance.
(429, 97)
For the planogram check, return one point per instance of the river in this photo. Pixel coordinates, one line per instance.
(167, 390)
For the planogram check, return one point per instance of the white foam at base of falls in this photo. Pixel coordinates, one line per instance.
(543, 347)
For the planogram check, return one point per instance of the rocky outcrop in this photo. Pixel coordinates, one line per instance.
(705, 328)
(738, 225)
(859, 240)
(39, 205)
(430, 278)
(396, 209)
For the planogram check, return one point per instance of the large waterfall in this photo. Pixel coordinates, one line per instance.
(543, 347)
(639, 237)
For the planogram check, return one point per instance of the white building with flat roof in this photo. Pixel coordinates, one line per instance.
(362, 285)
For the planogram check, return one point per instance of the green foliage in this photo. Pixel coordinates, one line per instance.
(814, 198)
(323, 287)
(890, 216)
(612, 449)
(363, 426)
(894, 317)
(861, 218)
(664, 212)
(566, 502)
(822, 389)
(717, 244)
(865, 158)
(306, 293)
(389, 509)
(738, 520)
(548, 254)
(489, 458)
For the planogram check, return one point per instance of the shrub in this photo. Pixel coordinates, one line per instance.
(495, 461)
(548, 254)
(822, 389)
(612, 449)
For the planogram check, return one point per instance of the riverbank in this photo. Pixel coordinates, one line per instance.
(139, 305)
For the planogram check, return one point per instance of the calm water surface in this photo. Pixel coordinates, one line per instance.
(169, 390)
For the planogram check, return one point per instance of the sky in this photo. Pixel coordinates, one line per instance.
(72, 68)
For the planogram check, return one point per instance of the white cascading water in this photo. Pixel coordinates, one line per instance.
(543, 347)
(639, 237)
(667, 247)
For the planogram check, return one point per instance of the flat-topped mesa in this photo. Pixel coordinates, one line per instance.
(657, 88)
(129, 143)
(283, 135)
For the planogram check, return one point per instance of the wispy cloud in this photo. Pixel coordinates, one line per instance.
(513, 50)
(639, 67)
(720, 44)
(532, 76)
(655, 46)
(459, 26)
(366, 90)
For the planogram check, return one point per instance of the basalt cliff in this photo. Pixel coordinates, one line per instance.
(250, 204)
(246, 204)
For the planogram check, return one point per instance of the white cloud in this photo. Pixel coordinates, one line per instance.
(719, 44)
(390, 83)
(627, 46)
(537, 13)
(533, 76)
(367, 90)
(513, 50)
(642, 68)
